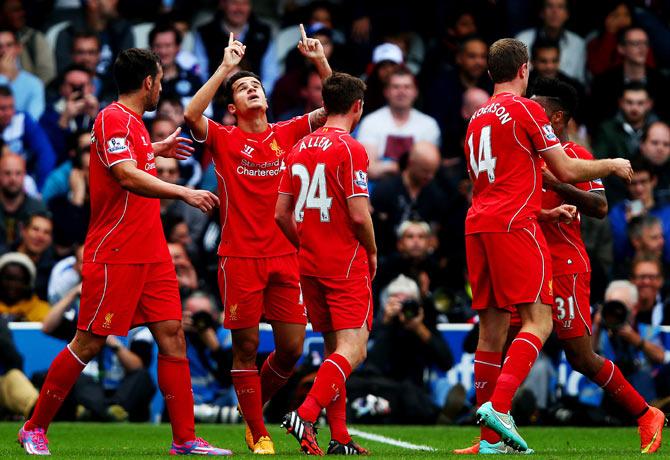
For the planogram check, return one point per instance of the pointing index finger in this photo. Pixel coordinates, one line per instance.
(303, 34)
(231, 38)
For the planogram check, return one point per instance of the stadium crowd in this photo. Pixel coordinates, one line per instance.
(426, 74)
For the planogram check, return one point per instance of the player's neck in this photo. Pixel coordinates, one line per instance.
(515, 87)
(134, 102)
(254, 124)
(339, 122)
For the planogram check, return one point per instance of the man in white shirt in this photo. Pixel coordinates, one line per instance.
(390, 132)
(554, 15)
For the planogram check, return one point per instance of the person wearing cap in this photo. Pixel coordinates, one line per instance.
(390, 132)
(18, 301)
(386, 58)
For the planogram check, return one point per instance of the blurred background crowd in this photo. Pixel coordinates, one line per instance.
(425, 68)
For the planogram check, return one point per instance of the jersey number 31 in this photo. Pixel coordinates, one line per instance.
(309, 187)
(486, 161)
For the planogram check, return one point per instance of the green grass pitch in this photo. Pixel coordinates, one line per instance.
(90, 440)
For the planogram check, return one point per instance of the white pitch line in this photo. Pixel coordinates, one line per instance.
(390, 441)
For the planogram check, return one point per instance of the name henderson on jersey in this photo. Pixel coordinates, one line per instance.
(500, 112)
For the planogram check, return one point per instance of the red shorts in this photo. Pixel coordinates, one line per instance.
(267, 287)
(571, 309)
(572, 305)
(508, 269)
(335, 304)
(118, 297)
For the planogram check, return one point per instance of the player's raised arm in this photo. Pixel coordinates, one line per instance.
(141, 183)
(285, 218)
(592, 203)
(312, 49)
(193, 114)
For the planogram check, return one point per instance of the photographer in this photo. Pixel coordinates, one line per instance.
(208, 348)
(405, 344)
(633, 346)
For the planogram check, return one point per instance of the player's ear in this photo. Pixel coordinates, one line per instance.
(232, 109)
(148, 82)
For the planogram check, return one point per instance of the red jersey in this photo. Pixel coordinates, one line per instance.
(568, 254)
(248, 168)
(503, 143)
(322, 171)
(125, 228)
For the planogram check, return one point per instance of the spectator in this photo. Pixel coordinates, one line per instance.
(165, 40)
(620, 136)
(386, 58)
(310, 95)
(603, 49)
(71, 211)
(649, 232)
(405, 344)
(411, 195)
(168, 171)
(15, 204)
(236, 16)
(86, 52)
(634, 49)
(655, 148)
(647, 275)
(554, 15)
(24, 136)
(186, 275)
(632, 345)
(37, 57)
(545, 58)
(17, 394)
(36, 239)
(58, 181)
(102, 19)
(65, 275)
(74, 110)
(190, 169)
(28, 90)
(18, 301)
(209, 351)
(446, 89)
(459, 25)
(389, 133)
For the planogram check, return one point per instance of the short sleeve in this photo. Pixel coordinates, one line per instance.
(534, 121)
(285, 185)
(577, 151)
(213, 136)
(293, 130)
(355, 168)
(117, 142)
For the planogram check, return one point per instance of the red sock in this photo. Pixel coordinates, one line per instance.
(487, 370)
(610, 378)
(273, 377)
(332, 376)
(522, 354)
(62, 375)
(247, 385)
(336, 413)
(174, 380)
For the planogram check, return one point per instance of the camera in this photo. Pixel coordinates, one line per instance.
(410, 308)
(614, 315)
(79, 91)
(202, 321)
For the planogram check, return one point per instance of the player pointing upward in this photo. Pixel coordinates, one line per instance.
(258, 270)
(128, 276)
(507, 256)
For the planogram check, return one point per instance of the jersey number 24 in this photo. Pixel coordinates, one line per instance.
(309, 188)
(485, 161)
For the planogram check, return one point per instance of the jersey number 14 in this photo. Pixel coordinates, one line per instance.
(486, 161)
(309, 188)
